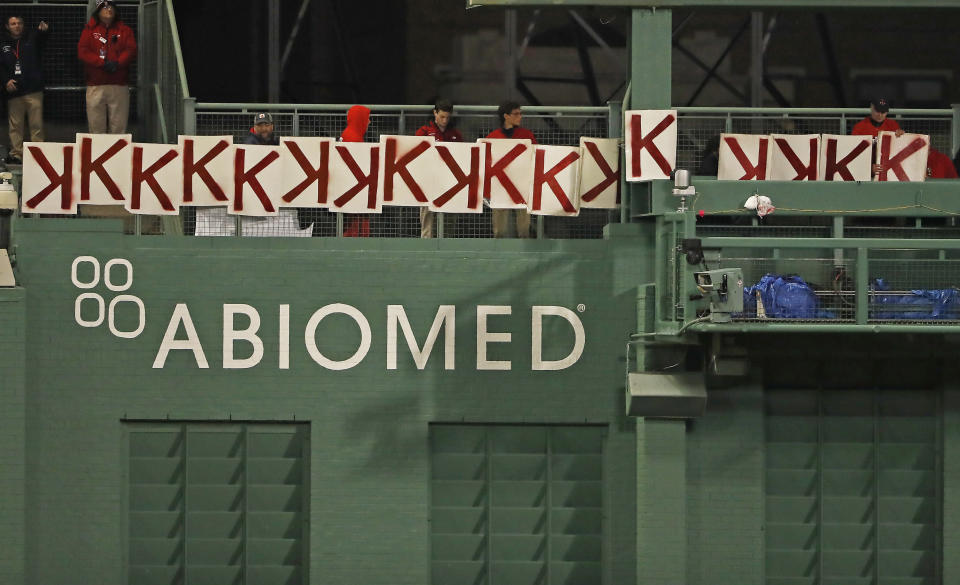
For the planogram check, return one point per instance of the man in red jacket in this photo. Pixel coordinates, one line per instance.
(511, 116)
(107, 48)
(442, 130)
(877, 121)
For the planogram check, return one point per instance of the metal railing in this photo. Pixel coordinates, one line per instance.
(875, 273)
(163, 80)
(551, 125)
(697, 127)
(564, 125)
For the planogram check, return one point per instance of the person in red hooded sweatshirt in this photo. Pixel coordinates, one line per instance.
(939, 165)
(358, 118)
(107, 48)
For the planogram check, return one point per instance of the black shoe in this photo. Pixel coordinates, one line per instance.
(13, 160)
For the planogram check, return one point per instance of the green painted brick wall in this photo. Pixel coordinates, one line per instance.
(369, 448)
(684, 501)
(661, 502)
(951, 483)
(12, 434)
(725, 496)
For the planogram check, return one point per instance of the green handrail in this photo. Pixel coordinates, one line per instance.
(340, 108)
(181, 71)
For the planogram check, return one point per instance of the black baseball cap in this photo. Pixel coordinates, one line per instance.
(263, 118)
(880, 104)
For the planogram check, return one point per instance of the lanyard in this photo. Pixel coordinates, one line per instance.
(17, 52)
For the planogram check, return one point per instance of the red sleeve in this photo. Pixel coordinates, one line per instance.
(129, 52)
(422, 131)
(457, 136)
(84, 52)
(496, 133)
(893, 125)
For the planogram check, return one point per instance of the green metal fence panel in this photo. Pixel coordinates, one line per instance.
(222, 503)
(699, 128)
(516, 504)
(852, 486)
(551, 125)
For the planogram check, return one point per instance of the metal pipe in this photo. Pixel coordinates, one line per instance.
(510, 53)
(807, 327)
(293, 34)
(618, 59)
(940, 112)
(682, 110)
(756, 58)
(178, 53)
(340, 108)
(824, 243)
(273, 50)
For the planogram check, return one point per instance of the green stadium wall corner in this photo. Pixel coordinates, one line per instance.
(410, 475)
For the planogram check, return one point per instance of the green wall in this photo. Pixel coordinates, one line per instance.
(13, 356)
(685, 501)
(369, 495)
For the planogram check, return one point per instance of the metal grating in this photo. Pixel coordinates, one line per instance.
(914, 290)
(556, 127)
(851, 483)
(218, 503)
(516, 504)
(831, 280)
(697, 129)
(743, 226)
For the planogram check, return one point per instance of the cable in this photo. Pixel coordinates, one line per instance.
(692, 323)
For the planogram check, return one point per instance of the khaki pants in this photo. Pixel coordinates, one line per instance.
(427, 221)
(29, 106)
(108, 107)
(502, 227)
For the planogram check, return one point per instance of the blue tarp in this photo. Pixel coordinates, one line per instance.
(919, 304)
(783, 297)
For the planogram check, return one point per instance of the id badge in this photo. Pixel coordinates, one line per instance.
(16, 69)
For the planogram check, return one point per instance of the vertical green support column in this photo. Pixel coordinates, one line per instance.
(13, 365)
(661, 444)
(863, 286)
(661, 502)
(650, 79)
(955, 129)
(951, 479)
(650, 52)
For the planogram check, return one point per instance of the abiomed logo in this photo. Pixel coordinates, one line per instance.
(111, 279)
(181, 333)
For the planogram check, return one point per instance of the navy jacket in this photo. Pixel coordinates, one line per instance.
(253, 138)
(30, 48)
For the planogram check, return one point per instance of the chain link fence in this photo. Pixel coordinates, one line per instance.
(699, 129)
(555, 126)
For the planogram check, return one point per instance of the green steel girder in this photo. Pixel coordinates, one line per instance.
(781, 4)
(938, 198)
